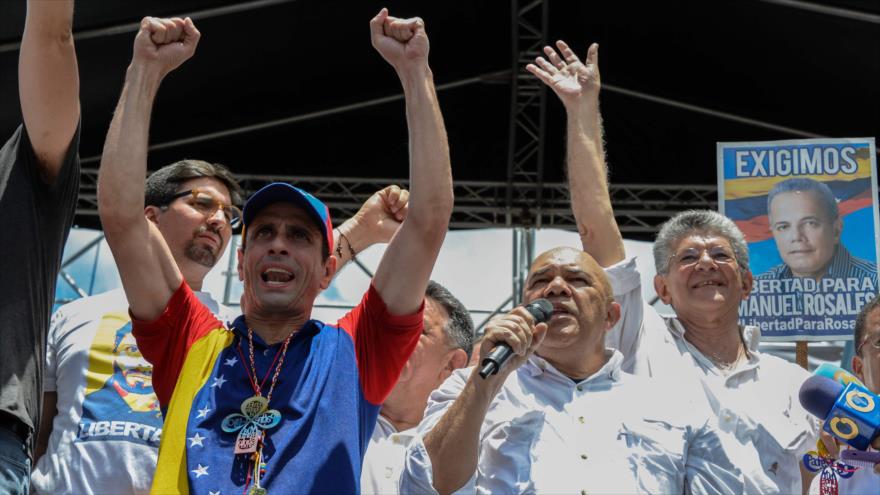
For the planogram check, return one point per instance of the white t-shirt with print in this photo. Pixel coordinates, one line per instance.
(105, 435)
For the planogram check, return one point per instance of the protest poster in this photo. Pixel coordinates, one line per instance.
(808, 209)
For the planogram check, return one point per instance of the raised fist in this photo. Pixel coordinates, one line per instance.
(402, 42)
(381, 215)
(165, 43)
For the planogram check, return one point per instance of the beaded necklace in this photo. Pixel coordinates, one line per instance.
(256, 417)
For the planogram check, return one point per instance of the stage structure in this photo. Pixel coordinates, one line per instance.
(639, 208)
(522, 202)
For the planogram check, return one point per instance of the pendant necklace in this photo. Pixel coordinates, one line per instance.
(256, 417)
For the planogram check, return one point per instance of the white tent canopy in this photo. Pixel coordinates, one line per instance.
(475, 265)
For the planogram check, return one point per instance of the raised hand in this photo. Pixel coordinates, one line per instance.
(403, 43)
(568, 77)
(383, 213)
(165, 43)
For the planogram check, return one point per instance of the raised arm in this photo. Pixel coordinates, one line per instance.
(453, 445)
(48, 82)
(148, 271)
(403, 273)
(577, 85)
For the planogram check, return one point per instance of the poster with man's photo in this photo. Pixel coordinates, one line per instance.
(808, 209)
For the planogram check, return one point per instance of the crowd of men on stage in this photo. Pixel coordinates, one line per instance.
(158, 387)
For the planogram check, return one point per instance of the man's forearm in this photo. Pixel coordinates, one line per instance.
(52, 19)
(588, 183)
(454, 443)
(431, 178)
(124, 161)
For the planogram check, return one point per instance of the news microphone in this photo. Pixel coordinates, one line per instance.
(851, 412)
(541, 310)
(837, 374)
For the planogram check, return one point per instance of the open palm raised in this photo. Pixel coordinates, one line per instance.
(565, 74)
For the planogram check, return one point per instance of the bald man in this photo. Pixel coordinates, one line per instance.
(561, 416)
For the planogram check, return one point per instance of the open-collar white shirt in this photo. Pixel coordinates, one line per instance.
(763, 427)
(383, 461)
(609, 433)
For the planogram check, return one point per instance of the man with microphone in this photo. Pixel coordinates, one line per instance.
(560, 416)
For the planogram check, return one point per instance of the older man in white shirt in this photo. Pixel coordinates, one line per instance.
(702, 265)
(561, 416)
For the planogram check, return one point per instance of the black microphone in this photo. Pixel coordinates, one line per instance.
(541, 310)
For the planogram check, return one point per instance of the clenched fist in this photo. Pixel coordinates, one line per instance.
(164, 44)
(382, 214)
(402, 42)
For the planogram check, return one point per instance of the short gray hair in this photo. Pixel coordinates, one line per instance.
(459, 328)
(826, 197)
(698, 222)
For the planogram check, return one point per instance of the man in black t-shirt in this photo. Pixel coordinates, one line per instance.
(39, 179)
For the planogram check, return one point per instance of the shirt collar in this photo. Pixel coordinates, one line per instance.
(385, 425)
(839, 263)
(239, 327)
(751, 336)
(837, 268)
(536, 365)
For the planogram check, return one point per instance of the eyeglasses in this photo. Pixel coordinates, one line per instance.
(689, 257)
(873, 340)
(208, 205)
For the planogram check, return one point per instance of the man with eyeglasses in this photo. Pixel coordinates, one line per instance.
(101, 423)
(701, 260)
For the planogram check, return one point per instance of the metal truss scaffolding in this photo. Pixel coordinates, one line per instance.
(639, 208)
(528, 102)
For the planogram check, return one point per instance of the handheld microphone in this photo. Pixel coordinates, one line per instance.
(541, 310)
(851, 413)
(837, 374)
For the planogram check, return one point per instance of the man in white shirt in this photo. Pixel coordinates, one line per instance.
(101, 425)
(702, 265)
(561, 416)
(866, 367)
(445, 346)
